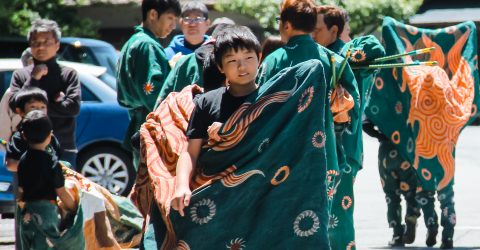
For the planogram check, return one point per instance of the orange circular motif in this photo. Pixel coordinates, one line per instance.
(396, 137)
(379, 83)
(405, 165)
(382, 182)
(318, 135)
(305, 99)
(404, 186)
(358, 56)
(346, 202)
(350, 245)
(426, 174)
(286, 172)
(474, 110)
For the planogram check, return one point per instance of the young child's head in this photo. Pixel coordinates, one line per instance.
(36, 127)
(236, 54)
(30, 98)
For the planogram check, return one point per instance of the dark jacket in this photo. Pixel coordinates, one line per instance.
(63, 113)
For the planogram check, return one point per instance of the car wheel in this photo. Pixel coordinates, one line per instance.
(110, 167)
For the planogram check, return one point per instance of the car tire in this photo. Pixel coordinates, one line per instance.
(108, 166)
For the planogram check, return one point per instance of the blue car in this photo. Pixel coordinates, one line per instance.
(101, 126)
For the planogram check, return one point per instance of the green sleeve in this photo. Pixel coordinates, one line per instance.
(266, 71)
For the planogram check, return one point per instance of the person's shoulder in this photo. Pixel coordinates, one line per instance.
(23, 71)
(211, 96)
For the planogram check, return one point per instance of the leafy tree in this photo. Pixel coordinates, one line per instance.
(16, 17)
(365, 15)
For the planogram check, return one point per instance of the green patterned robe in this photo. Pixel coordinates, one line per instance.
(267, 195)
(341, 227)
(423, 109)
(141, 72)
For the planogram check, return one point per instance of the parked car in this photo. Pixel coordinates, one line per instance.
(74, 49)
(101, 126)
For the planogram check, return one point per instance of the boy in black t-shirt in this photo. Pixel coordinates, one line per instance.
(26, 100)
(236, 54)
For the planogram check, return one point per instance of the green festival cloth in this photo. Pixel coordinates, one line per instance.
(186, 72)
(422, 109)
(252, 191)
(39, 228)
(302, 48)
(341, 222)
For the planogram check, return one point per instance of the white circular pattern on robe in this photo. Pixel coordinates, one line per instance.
(333, 221)
(263, 144)
(374, 109)
(347, 169)
(423, 201)
(209, 204)
(388, 200)
(410, 145)
(307, 214)
(430, 221)
(237, 243)
(393, 154)
(393, 223)
(442, 197)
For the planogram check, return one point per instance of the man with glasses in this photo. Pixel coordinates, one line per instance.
(61, 84)
(194, 24)
(143, 66)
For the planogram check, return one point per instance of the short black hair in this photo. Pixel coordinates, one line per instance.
(235, 37)
(36, 127)
(29, 94)
(161, 6)
(300, 14)
(191, 6)
(333, 15)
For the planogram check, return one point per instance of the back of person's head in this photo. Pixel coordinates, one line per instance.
(44, 25)
(235, 38)
(27, 95)
(26, 57)
(300, 14)
(271, 44)
(221, 21)
(333, 15)
(161, 6)
(36, 127)
(194, 6)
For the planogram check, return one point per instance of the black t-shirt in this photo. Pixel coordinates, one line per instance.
(214, 106)
(17, 146)
(39, 174)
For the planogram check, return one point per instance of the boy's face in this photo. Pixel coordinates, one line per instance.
(163, 25)
(322, 34)
(240, 67)
(33, 105)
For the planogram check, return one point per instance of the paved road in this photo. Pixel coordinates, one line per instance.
(370, 211)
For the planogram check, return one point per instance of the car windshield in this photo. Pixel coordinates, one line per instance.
(100, 56)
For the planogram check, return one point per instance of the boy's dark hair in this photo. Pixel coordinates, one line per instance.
(161, 6)
(36, 127)
(27, 95)
(191, 6)
(235, 37)
(300, 14)
(333, 15)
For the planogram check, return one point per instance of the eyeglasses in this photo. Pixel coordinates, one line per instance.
(192, 20)
(46, 43)
(278, 19)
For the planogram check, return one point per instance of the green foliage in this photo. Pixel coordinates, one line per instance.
(365, 15)
(16, 17)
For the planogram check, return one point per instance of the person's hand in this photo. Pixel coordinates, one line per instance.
(59, 97)
(175, 59)
(39, 71)
(181, 199)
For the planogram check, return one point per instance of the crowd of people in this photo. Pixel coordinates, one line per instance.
(227, 132)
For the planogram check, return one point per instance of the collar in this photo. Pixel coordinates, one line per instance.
(51, 62)
(336, 46)
(298, 39)
(147, 32)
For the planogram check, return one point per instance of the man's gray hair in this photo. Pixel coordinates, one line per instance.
(44, 25)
